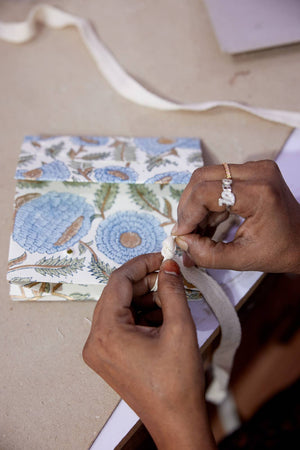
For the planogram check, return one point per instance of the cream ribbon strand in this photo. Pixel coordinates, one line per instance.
(117, 77)
(226, 315)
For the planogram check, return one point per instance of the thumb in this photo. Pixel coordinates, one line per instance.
(210, 254)
(172, 295)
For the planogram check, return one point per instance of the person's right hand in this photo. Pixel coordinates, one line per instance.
(268, 239)
(157, 370)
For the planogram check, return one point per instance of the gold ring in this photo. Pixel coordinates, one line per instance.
(227, 171)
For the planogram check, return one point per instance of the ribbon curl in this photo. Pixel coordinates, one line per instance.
(120, 80)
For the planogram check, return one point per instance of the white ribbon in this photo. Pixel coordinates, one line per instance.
(226, 315)
(117, 77)
(231, 333)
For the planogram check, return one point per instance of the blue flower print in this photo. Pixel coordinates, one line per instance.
(52, 222)
(116, 174)
(128, 234)
(89, 140)
(156, 146)
(171, 178)
(36, 138)
(54, 171)
(31, 138)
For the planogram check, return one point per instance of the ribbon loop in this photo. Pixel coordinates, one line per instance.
(117, 77)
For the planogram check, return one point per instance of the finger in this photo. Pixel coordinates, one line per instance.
(120, 288)
(218, 255)
(145, 285)
(145, 302)
(251, 170)
(114, 303)
(137, 268)
(172, 295)
(187, 260)
(215, 218)
(217, 173)
(204, 199)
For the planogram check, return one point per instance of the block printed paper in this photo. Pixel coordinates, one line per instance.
(86, 205)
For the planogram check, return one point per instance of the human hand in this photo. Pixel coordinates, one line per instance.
(268, 239)
(156, 370)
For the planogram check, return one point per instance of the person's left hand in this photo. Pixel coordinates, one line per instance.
(156, 370)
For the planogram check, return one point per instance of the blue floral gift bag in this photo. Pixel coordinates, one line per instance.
(86, 205)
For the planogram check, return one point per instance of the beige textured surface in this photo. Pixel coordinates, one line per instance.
(48, 398)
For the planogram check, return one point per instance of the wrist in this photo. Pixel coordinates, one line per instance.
(296, 261)
(180, 429)
(293, 264)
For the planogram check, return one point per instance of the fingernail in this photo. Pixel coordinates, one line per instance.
(182, 244)
(174, 229)
(170, 267)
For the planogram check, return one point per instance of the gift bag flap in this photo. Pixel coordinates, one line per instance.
(79, 214)
(109, 160)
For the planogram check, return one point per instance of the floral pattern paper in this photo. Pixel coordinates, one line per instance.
(84, 206)
(108, 160)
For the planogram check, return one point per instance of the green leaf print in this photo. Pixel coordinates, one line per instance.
(100, 270)
(144, 197)
(157, 161)
(77, 184)
(30, 184)
(80, 296)
(105, 197)
(20, 280)
(196, 157)
(95, 156)
(55, 266)
(147, 199)
(54, 150)
(176, 193)
(25, 159)
(124, 151)
(82, 249)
